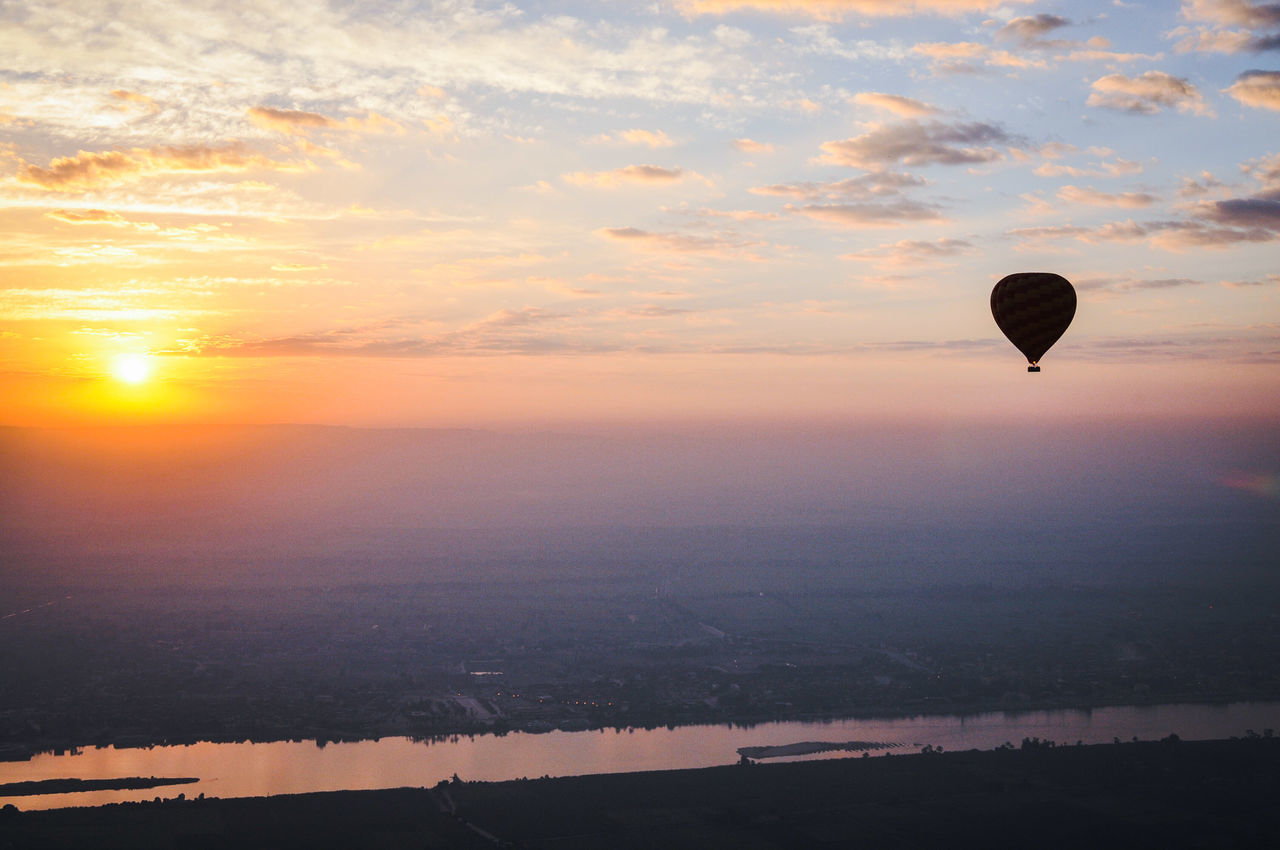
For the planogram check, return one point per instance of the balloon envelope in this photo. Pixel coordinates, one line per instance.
(1033, 309)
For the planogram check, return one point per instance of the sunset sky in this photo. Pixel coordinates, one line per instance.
(456, 212)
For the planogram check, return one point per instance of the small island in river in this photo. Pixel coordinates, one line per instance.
(68, 786)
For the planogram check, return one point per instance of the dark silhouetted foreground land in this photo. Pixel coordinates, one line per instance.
(64, 786)
(1133, 795)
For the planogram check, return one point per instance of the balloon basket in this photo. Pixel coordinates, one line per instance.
(1033, 368)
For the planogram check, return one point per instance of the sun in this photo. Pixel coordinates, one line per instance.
(132, 369)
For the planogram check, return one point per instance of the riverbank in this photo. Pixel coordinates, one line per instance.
(26, 749)
(1170, 794)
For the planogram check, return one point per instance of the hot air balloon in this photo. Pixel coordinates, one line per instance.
(1033, 309)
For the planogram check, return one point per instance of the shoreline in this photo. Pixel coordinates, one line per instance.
(18, 752)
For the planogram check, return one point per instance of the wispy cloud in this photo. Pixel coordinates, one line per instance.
(630, 175)
(911, 252)
(107, 217)
(1214, 227)
(956, 57)
(678, 242)
(1093, 197)
(644, 138)
(879, 184)
(862, 215)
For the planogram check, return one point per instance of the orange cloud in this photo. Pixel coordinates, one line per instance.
(647, 138)
(135, 97)
(903, 107)
(295, 122)
(752, 146)
(629, 174)
(288, 121)
(92, 170)
(1259, 89)
(88, 217)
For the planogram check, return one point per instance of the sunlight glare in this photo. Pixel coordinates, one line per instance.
(131, 368)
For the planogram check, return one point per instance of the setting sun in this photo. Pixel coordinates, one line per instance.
(131, 368)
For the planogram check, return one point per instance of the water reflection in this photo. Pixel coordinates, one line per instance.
(292, 767)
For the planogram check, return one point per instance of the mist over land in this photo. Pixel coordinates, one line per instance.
(774, 507)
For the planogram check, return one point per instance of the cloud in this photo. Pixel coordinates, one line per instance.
(1266, 170)
(645, 138)
(1099, 169)
(120, 303)
(1256, 19)
(1202, 184)
(903, 107)
(1269, 280)
(1203, 40)
(1094, 50)
(1259, 89)
(950, 57)
(752, 146)
(1244, 226)
(910, 252)
(834, 10)
(1180, 236)
(1054, 151)
(678, 242)
(132, 97)
(1092, 197)
(916, 143)
(1243, 212)
(1233, 12)
(1147, 94)
(870, 214)
(1028, 30)
(631, 174)
(288, 121)
(92, 170)
(736, 215)
(294, 122)
(88, 217)
(878, 184)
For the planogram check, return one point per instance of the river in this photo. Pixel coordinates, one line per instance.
(284, 767)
